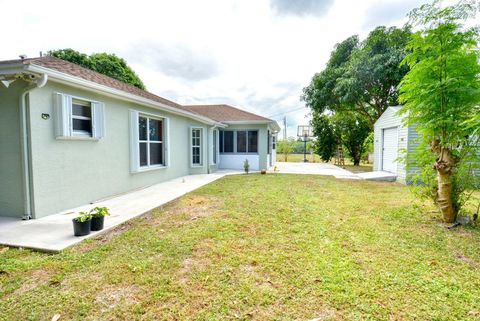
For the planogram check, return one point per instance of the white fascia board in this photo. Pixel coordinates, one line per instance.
(115, 93)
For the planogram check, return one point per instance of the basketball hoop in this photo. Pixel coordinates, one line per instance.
(305, 132)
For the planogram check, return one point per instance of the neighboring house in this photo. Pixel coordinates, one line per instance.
(391, 137)
(71, 136)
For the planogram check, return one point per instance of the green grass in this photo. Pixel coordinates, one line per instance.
(281, 247)
(296, 158)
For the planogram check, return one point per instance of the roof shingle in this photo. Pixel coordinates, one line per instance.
(225, 113)
(72, 69)
(219, 113)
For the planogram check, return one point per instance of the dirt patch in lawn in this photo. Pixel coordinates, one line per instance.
(36, 279)
(113, 295)
(197, 263)
(188, 209)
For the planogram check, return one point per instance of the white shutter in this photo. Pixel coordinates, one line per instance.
(134, 149)
(62, 115)
(98, 120)
(166, 139)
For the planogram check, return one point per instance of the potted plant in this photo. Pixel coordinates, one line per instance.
(98, 217)
(246, 166)
(81, 224)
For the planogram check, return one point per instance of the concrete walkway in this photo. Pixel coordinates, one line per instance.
(315, 169)
(378, 176)
(55, 232)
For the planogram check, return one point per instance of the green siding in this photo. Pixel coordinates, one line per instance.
(70, 173)
(11, 183)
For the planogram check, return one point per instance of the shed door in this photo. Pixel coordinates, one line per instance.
(390, 149)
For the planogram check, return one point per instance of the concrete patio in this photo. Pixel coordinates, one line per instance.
(55, 232)
(315, 169)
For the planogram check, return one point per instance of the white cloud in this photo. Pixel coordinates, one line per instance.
(241, 52)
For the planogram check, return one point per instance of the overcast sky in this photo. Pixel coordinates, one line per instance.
(254, 54)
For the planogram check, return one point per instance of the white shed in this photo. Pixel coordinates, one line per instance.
(391, 136)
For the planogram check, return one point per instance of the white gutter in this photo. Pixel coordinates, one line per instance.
(112, 92)
(24, 137)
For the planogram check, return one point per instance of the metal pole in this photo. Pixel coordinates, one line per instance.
(305, 149)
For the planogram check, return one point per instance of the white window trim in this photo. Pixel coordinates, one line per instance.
(69, 133)
(135, 142)
(202, 133)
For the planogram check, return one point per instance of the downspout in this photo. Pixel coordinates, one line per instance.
(24, 137)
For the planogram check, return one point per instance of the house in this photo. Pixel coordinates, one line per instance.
(71, 136)
(391, 137)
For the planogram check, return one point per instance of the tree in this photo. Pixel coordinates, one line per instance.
(353, 130)
(327, 140)
(441, 93)
(107, 64)
(286, 147)
(347, 129)
(361, 77)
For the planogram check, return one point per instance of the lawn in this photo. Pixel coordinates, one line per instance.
(313, 158)
(281, 247)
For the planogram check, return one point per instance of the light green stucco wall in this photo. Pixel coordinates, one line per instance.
(11, 186)
(70, 173)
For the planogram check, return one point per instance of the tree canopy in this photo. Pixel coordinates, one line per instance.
(361, 77)
(342, 129)
(441, 95)
(107, 64)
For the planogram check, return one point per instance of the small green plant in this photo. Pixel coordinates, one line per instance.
(246, 166)
(83, 216)
(100, 212)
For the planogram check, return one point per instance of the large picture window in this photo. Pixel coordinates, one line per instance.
(150, 139)
(197, 146)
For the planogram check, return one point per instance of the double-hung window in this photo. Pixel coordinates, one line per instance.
(82, 117)
(150, 139)
(149, 144)
(196, 136)
(78, 117)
